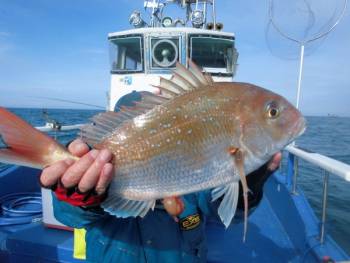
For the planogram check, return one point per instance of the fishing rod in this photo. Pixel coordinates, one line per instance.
(54, 126)
(69, 101)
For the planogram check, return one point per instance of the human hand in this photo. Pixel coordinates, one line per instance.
(275, 162)
(75, 181)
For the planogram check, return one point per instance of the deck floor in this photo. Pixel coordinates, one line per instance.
(266, 240)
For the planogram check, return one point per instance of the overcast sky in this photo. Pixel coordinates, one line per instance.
(60, 49)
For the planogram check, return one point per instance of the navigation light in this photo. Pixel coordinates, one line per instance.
(136, 19)
(197, 18)
(167, 22)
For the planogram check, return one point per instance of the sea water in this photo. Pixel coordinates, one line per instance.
(329, 136)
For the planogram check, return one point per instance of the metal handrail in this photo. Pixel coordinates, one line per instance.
(329, 165)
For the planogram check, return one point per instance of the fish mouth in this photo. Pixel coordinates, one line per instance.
(300, 127)
(297, 130)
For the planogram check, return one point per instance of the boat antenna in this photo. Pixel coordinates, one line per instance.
(304, 41)
(156, 12)
(197, 16)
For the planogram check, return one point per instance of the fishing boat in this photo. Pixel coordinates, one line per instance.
(284, 227)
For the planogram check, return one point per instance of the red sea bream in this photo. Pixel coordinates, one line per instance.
(197, 135)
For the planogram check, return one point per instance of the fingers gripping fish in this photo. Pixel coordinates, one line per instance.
(198, 134)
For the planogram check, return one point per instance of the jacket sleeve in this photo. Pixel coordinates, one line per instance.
(206, 205)
(74, 216)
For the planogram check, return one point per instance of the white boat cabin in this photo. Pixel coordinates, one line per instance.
(139, 56)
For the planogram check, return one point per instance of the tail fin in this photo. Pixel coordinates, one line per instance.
(25, 145)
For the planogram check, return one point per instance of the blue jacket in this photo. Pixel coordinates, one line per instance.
(154, 238)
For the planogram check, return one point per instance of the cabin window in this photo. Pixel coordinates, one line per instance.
(215, 55)
(165, 52)
(126, 54)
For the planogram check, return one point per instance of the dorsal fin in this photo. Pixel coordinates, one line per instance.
(197, 72)
(103, 124)
(209, 79)
(184, 80)
(188, 75)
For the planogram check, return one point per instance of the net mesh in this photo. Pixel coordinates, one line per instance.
(292, 23)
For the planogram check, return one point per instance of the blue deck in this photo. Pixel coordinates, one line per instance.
(282, 229)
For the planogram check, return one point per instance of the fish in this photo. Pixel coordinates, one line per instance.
(195, 135)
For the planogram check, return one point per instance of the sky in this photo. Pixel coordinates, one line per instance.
(60, 49)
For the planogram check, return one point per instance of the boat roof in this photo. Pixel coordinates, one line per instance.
(188, 30)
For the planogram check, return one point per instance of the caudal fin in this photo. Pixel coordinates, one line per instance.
(25, 145)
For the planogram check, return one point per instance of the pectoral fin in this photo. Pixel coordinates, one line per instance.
(121, 207)
(228, 205)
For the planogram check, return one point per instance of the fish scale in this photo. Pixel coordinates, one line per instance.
(200, 140)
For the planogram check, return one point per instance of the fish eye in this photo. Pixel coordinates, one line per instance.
(272, 110)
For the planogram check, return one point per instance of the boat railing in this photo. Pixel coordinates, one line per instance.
(328, 165)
